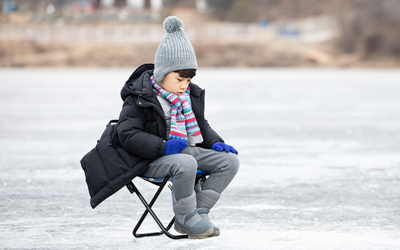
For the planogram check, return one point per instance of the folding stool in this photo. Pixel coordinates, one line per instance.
(161, 182)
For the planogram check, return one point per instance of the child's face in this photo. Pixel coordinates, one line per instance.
(175, 84)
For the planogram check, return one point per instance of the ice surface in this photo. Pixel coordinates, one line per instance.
(319, 151)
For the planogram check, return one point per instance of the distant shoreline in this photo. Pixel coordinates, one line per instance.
(256, 54)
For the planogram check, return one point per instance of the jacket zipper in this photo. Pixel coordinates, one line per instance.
(203, 116)
(157, 108)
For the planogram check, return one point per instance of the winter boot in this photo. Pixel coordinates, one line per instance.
(206, 200)
(188, 221)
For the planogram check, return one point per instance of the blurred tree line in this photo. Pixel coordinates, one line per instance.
(369, 27)
(255, 10)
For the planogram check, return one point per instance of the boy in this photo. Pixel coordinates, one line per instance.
(162, 119)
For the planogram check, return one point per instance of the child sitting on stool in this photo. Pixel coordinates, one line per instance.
(162, 119)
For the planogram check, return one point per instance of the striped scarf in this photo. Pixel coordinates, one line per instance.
(183, 121)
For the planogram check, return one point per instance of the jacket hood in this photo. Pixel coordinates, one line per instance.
(139, 83)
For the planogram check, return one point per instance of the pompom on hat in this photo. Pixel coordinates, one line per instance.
(172, 23)
(175, 51)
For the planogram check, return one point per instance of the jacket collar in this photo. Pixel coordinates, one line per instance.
(195, 90)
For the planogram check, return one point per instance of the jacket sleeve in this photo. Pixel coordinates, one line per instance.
(209, 135)
(131, 133)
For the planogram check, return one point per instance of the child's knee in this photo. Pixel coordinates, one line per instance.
(187, 165)
(233, 162)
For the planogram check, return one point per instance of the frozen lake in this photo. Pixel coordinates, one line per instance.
(319, 151)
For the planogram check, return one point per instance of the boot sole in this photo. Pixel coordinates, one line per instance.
(196, 236)
(214, 234)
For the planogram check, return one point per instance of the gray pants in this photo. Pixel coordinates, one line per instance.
(221, 166)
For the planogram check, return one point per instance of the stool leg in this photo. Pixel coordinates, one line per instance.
(133, 188)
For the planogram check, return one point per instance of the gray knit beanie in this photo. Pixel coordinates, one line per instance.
(175, 51)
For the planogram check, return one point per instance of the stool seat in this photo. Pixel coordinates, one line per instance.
(161, 179)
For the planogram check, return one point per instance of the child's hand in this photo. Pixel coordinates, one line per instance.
(219, 146)
(175, 146)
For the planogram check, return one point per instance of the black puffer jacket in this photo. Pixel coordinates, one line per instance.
(126, 148)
